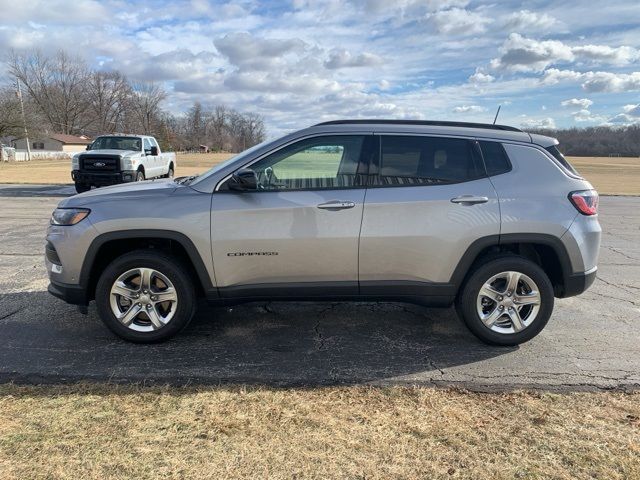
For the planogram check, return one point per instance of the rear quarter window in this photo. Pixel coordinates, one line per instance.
(557, 154)
(495, 158)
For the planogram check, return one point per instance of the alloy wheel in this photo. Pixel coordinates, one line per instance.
(508, 302)
(143, 299)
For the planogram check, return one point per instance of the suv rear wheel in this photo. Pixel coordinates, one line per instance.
(145, 296)
(506, 301)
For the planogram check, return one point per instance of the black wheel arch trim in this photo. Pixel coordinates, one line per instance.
(182, 239)
(472, 252)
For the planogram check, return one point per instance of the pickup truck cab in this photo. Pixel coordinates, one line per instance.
(113, 159)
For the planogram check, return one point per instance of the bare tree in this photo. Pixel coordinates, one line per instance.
(598, 141)
(56, 85)
(12, 123)
(108, 94)
(145, 105)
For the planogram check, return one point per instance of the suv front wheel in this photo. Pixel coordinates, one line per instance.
(506, 301)
(145, 296)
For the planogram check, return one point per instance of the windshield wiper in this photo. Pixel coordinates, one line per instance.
(185, 180)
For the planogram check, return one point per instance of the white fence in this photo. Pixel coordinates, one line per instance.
(21, 155)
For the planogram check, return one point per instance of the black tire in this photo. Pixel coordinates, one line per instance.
(140, 176)
(466, 304)
(82, 187)
(167, 265)
(171, 172)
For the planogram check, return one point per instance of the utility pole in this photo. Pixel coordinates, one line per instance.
(24, 121)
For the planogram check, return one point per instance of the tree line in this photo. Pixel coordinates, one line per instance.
(62, 94)
(598, 141)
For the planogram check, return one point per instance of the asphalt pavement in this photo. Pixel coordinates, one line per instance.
(591, 342)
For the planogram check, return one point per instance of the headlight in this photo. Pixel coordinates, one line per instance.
(75, 163)
(68, 216)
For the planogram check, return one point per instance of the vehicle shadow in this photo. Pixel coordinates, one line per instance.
(277, 344)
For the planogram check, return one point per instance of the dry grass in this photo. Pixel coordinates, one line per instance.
(59, 171)
(612, 176)
(356, 432)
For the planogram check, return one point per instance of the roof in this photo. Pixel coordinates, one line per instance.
(437, 123)
(70, 139)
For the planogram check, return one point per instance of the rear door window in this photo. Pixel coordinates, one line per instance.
(421, 160)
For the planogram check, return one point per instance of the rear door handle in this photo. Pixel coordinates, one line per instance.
(336, 205)
(469, 199)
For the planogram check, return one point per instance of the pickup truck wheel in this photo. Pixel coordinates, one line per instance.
(140, 176)
(170, 173)
(82, 187)
(145, 296)
(506, 301)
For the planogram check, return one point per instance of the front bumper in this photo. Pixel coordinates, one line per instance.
(74, 294)
(102, 179)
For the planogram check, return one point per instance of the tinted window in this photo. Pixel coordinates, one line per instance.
(414, 160)
(495, 158)
(320, 162)
(557, 154)
(116, 143)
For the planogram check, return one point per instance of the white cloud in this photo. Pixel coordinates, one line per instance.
(620, 55)
(246, 50)
(535, 123)
(340, 58)
(611, 82)
(595, 81)
(469, 109)
(480, 77)
(577, 102)
(457, 21)
(524, 19)
(521, 54)
(623, 119)
(585, 115)
(632, 110)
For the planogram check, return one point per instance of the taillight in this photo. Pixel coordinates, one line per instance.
(585, 201)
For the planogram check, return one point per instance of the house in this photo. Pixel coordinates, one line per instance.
(56, 142)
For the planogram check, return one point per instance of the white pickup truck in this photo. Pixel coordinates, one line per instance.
(113, 159)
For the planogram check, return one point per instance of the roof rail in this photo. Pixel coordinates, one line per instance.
(437, 123)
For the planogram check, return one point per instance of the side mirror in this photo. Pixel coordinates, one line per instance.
(88, 147)
(243, 180)
(154, 151)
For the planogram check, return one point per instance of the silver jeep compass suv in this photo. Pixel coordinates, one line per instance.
(486, 217)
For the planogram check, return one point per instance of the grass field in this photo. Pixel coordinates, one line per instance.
(109, 431)
(609, 175)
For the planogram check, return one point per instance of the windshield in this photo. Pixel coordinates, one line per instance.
(220, 166)
(117, 143)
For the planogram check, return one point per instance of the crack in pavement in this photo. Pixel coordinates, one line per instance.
(12, 313)
(615, 285)
(621, 253)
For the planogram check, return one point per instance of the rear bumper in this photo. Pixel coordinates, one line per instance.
(101, 179)
(577, 283)
(74, 294)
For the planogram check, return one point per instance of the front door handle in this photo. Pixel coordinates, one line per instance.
(336, 205)
(469, 199)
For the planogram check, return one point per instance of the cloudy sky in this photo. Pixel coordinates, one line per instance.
(298, 62)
